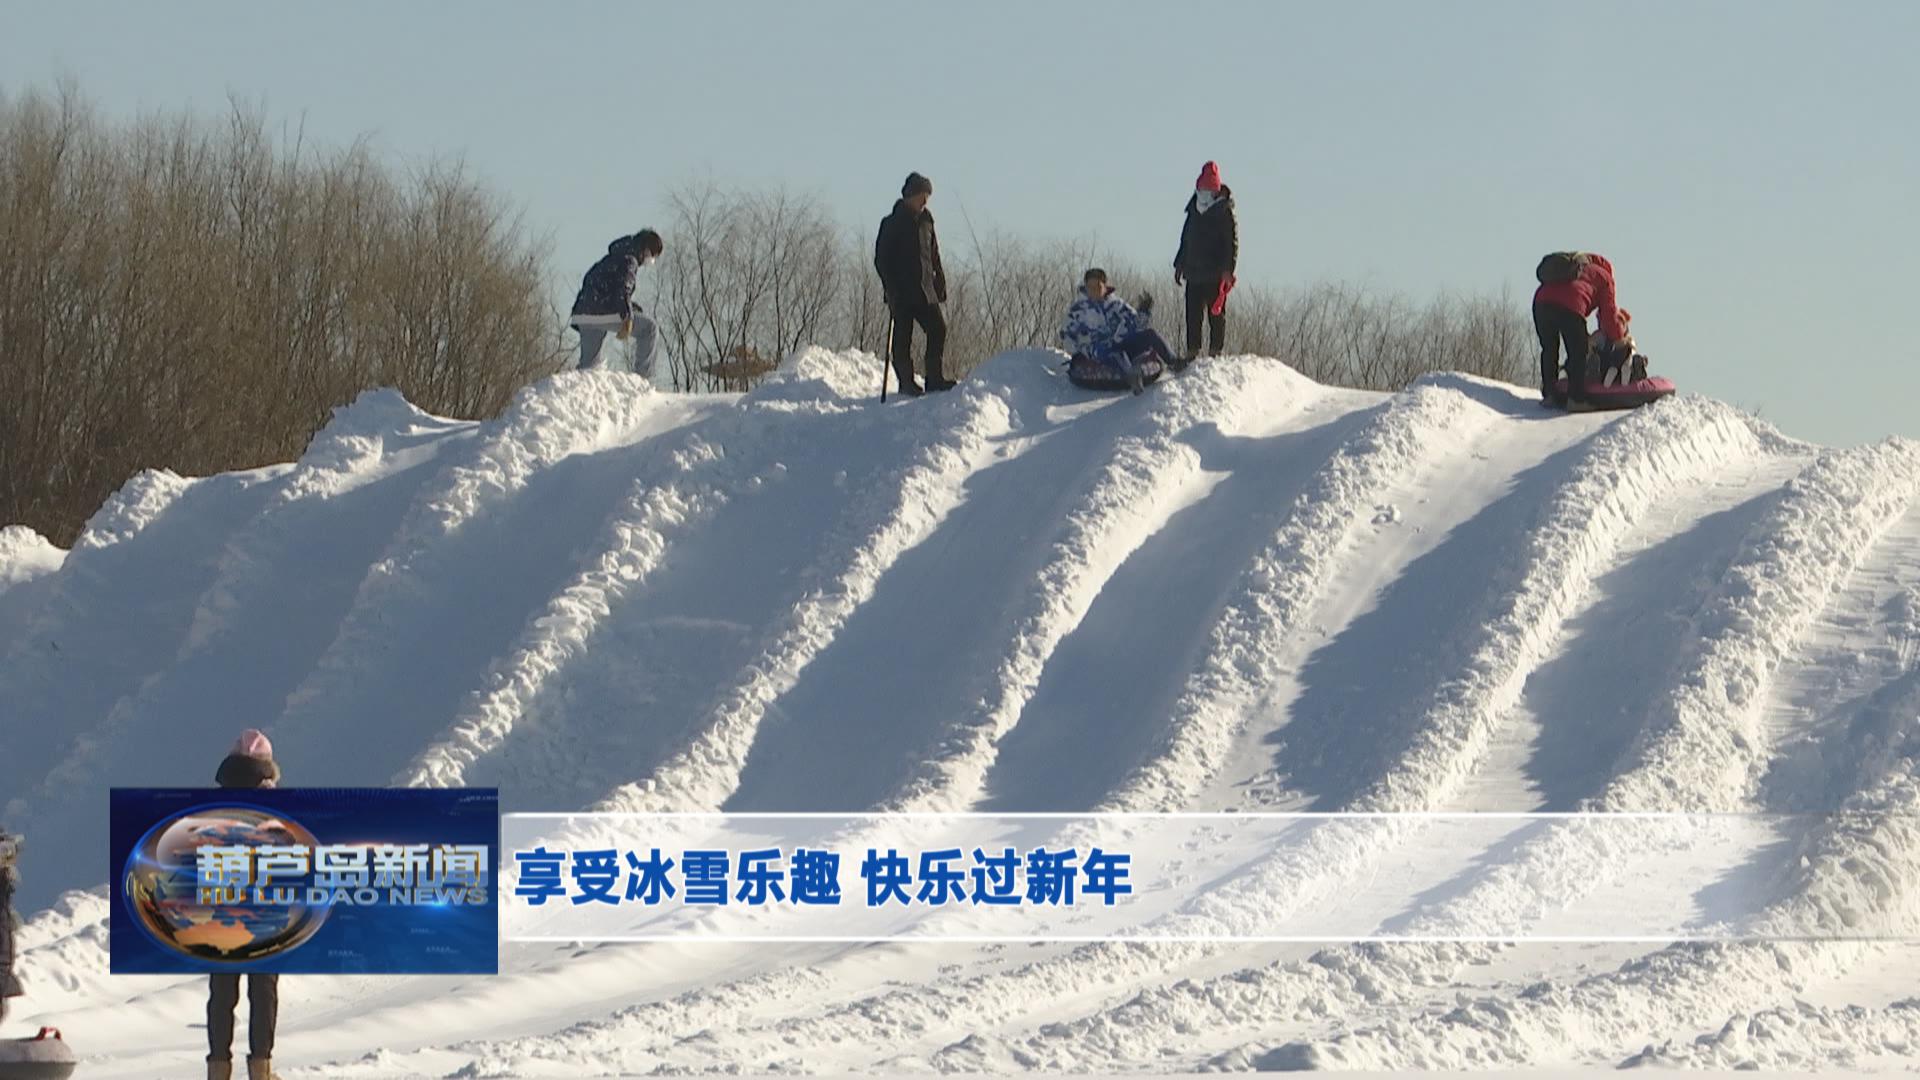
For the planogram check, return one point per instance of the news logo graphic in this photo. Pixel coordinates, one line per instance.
(397, 881)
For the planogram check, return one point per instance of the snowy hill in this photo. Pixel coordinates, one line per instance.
(1243, 590)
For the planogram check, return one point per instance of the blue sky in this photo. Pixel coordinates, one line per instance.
(1750, 167)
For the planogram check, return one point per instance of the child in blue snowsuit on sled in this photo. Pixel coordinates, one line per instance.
(1103, 329)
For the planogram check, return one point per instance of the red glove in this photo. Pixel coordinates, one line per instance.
(1219, 305)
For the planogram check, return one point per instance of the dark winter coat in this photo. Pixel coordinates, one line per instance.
(1210, 241)
(907, 256)
(1590, 291)
(9, 985)
(606, 292)
(242, 771)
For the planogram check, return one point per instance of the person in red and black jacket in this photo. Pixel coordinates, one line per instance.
(1573, 285)
(1209, 253)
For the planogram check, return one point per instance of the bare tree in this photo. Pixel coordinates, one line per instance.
(753, 276)
(198, 296)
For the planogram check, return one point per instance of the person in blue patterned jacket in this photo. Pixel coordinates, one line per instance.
(605, 303)
(1104, 328)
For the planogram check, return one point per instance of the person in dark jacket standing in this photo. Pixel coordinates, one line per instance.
(9, 984)
(605, 303)
(249, 764)
(907, 256)
(1574, 285)
(1209, 252)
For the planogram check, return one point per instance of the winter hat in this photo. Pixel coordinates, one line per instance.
(252, 743)
(1209, 178)
(915, 185)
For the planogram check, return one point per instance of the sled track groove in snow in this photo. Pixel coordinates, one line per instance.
(1346, 982)
(613, 599)
(252, 632)
(887, 520)
(687, 474)
(1617, 476)
(392, 664)
(1284, 581)
(1626, 456)
(1147, 472)
(1710, 744)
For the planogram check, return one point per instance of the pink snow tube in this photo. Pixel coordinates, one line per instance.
(1624, 396)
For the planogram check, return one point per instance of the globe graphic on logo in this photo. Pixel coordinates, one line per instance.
(162, 888)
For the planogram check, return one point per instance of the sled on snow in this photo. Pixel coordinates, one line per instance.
(1619, 396)
(46, 1056)
(1084, 371)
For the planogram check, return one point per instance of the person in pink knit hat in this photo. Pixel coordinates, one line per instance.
(1209, 253)
(249, 764)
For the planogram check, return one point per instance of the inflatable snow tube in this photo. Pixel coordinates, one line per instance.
(44, 1057)
(1094, 375)
(1625, 396)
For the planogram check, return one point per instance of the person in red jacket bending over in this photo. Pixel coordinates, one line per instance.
(1573, 285)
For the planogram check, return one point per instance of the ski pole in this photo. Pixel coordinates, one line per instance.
(885, 344)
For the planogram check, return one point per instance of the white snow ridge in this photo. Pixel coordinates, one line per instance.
(1240, 591)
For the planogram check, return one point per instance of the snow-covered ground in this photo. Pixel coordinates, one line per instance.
(1240, 591)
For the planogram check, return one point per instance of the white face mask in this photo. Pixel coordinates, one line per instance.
(1205, 199)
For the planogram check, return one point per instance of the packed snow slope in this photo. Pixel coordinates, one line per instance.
(1241, 590)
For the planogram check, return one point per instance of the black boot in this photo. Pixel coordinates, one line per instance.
(909, 387)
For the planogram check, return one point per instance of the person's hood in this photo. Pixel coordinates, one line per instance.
(625, 245)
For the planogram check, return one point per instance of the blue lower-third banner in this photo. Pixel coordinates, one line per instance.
(305, 880)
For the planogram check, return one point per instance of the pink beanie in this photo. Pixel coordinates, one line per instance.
(253, 743)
